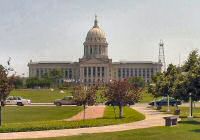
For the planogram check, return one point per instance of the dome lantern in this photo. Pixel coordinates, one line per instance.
(95, 22)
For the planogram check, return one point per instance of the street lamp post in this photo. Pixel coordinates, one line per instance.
(168, 110)
(190, 106)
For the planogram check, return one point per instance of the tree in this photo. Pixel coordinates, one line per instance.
(33, 82)
(155, 88)
(18, 82)
(6, 85)
(178, 82)
(137, 82)
(122, 92)
(163, 83)
(189, 81)
(84, 96)
(55, 75)
(192, 62)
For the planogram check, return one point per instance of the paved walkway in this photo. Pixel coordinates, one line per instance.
(91, 112)
(153, 118)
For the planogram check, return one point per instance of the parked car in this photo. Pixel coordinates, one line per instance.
(68, 100)
(164, 102)
(113, 103)
(16, 100)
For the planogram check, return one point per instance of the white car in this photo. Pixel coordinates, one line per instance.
(16, 100)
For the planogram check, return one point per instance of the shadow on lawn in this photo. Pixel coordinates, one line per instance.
(194, 122)
(196, 130)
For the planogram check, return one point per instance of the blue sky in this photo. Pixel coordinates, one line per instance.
(46, 30)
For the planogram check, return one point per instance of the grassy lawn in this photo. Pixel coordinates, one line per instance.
(48, 96)
(183, 131)
(56, 122)
(23, 114)
(184, 111)
(40, 95)
(146, 97)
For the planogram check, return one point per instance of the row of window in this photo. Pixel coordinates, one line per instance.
(94, 71)
(67, 73)
(129, 72)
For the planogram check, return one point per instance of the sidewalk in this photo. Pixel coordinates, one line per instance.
(153, 118)
(91, 112)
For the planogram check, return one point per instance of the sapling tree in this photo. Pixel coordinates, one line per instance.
(6, 85)
(84, 96)
(122, 92)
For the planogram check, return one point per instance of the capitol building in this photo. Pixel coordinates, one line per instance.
(95, 66)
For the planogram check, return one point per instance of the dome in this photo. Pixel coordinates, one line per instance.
(96, 33)
(95, 45)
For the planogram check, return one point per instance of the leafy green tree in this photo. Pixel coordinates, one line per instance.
(122, 92)
(155, 88)
(33, 82)
(189, 81)
(179, 82)
(6, 85)
(137, 82)
(18, 82)
(55, 76)
(163, 83)
(192, 63)
(84, 96)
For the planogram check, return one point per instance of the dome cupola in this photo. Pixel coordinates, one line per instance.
(95, 44)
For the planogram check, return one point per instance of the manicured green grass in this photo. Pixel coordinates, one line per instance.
(184, 111)
(40, 95)
(130, 115)
(146, 97)
(183, 131)
(23, 114)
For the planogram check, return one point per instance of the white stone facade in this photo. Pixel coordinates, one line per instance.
(95, 66)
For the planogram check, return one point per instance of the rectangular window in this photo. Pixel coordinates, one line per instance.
(123, 72)
(70, 73)
(148, 73)
(41, 72)
(66, 73)
(98, 71)
(136, 72)
(45, 70)
(140, 74)
(85, 71)
(94, 71)
(131, 72)
(127, 72)
(89, 71)
(151, 71)
(37, 72)
(144, 73)
(102, 71)
(90, 50)
(119, 72)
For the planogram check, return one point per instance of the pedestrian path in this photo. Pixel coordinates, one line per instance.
(153, 118)
(91, 112)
